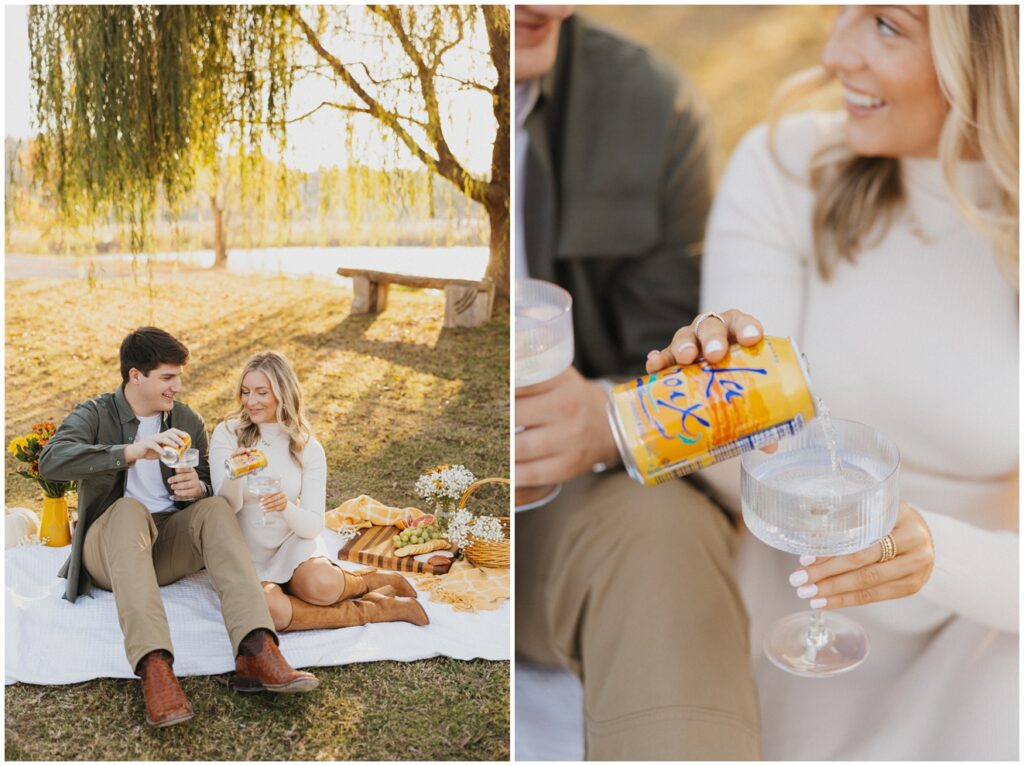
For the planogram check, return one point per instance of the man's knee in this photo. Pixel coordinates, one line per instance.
(128, 508)
(124, 530)
(127, 516)
(673, 520)
(678, 543)
(214, 508)
(213, 504)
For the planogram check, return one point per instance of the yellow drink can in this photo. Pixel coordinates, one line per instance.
(173, 455)
(682, 419)
(253, 461)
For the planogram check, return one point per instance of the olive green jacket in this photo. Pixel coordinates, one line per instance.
(89, 448)
(618, 187)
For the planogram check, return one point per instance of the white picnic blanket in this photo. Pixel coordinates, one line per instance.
(549, 714)
(51, 641)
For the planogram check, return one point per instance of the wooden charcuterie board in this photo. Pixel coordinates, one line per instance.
(373, 547)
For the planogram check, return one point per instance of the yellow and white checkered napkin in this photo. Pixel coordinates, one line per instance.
(466, 587)
(363, 511)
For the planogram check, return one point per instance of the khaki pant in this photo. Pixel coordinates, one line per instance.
(633, 589)
(132, 552)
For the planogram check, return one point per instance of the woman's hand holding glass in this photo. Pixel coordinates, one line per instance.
(274, 503)
(835, 582)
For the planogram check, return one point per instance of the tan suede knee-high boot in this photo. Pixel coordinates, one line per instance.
(356, 584)
(373, 607)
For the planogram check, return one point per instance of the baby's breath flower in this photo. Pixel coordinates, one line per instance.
(464, 527)
(446, 482)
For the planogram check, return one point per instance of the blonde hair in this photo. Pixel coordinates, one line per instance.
(974, 51)
(290, 412)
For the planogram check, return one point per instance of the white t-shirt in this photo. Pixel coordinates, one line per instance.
(144, 482)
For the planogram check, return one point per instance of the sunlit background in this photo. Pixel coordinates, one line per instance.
(703, 40)
(382, 196)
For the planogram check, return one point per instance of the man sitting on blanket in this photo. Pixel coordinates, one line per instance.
(142, 525)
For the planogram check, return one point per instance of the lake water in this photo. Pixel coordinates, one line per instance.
(449, 262)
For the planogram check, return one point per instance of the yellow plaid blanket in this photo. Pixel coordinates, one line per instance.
(466, 587)
(363, 512)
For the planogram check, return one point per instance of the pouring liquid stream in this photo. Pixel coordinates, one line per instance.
(831, 443)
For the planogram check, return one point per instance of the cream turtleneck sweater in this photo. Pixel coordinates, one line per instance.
(293, 535)
(919, 339)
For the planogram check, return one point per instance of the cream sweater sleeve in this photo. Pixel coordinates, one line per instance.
(221, 447)
(976, 572)
(307, 517)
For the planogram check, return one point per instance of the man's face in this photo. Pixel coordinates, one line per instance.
(155, 392)
(537, 38)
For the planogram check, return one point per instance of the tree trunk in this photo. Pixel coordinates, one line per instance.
(498, 261)
(497, 200)
(220, 245)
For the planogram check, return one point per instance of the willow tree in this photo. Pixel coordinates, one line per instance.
(133, 101)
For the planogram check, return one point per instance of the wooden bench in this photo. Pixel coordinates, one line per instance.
(467, 302)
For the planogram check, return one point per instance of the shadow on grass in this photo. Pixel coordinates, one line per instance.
(435, 359)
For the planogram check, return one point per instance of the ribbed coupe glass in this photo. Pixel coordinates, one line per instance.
(795, 501)
(263, 486)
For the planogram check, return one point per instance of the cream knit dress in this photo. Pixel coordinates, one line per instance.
(293, 535)
(918, 338)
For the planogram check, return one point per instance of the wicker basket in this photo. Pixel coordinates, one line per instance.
(486, 553)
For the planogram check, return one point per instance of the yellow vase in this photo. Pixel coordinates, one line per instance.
(54, 528)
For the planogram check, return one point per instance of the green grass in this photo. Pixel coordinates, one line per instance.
(431, 710)
(388, 396)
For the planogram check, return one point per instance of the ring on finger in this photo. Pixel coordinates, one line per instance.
(707, 315)
(888, 549)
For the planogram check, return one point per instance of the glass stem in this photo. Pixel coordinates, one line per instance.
(817, 636)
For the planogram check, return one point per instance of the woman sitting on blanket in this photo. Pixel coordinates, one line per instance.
(303, 587)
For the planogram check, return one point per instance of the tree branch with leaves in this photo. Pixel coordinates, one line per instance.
(133, 101)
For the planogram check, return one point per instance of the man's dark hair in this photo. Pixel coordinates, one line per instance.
(147, 348)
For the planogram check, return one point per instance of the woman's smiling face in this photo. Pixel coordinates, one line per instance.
(882, 57)
(258, 398)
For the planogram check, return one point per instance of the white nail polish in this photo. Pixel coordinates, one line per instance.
(806, 591)
(682, 348)
(750, 331)
(806, 560)
(712, 347)
(818, 603)
(799, 577)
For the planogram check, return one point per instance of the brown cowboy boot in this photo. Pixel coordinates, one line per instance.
(260, 666)
(376, 606)
(359, 583)
(166, 703)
